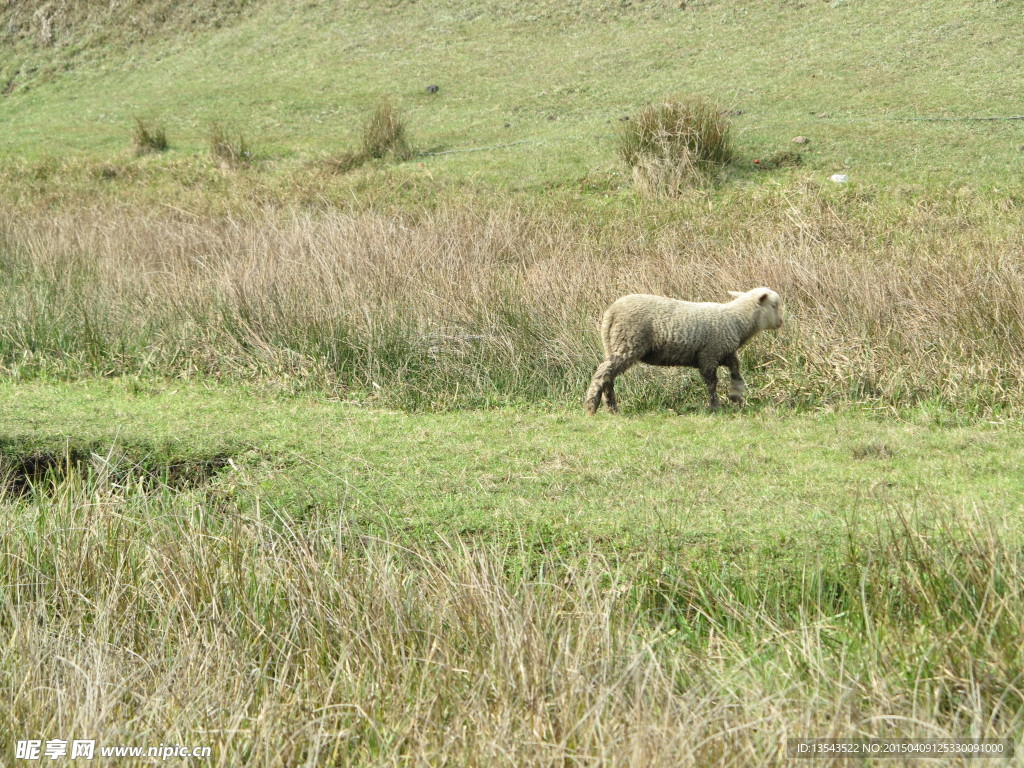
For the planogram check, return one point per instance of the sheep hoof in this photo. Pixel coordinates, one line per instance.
(736, 389)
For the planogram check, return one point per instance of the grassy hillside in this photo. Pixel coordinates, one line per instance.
(855, 78)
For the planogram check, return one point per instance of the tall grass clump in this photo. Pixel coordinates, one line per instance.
(148, 139)
(674, 144)
(385, 134)
(229, 148)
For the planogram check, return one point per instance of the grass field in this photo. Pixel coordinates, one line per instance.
(853, 77)
(294, 460)
(356, 585)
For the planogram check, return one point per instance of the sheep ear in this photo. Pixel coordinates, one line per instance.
(762, 298)
(735, 294)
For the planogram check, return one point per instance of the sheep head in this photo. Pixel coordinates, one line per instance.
(768, 305)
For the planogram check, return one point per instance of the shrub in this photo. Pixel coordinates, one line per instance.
(384, 133)
(148, 139)
(228, 148)
(675, 143)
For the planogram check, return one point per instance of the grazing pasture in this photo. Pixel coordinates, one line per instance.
(298, 308)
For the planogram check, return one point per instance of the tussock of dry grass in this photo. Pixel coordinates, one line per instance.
(675, 143)
(503, 302)
(229, 148)
(147, 139)
(385, 133)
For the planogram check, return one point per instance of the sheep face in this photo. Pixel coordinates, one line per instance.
(771, 311)
(768, 305)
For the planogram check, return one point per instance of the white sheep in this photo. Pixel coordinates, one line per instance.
(662, 331)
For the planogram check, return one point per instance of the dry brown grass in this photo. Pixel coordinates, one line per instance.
(888, 307)
(143, 618)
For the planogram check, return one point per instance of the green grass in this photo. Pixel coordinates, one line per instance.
(399, 573)
(865, 65)
(747, 482)
(294, 461)
(674, 144)
(147, 139)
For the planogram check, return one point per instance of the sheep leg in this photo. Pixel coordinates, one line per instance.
(709, 372)
(609, 396)
(736, 385)
(603, 384)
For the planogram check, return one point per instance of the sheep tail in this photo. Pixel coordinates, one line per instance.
(606, 332)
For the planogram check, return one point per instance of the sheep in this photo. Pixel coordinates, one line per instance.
(660, 331)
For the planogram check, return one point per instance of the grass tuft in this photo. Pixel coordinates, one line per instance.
(385, 133)
(230, 149)
(674, 144)
(147, 139)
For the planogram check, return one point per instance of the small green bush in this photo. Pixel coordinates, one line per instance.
(228, 148)
(148, 139)
(675, 143)
(384, 133)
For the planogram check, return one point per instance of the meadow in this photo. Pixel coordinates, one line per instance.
(294, 463)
